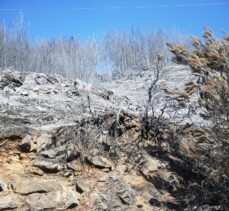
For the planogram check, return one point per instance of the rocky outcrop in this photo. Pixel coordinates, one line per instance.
(36, 100)
(29, 186)
(115, 195)
(6, 202)
(135, 88)
(65, 145)
(59, 200)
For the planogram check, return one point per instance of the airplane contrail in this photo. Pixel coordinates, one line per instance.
(119, 7)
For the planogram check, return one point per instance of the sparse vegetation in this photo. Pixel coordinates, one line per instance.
(202, 151)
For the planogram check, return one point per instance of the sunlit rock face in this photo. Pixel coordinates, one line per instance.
(68, 145)
(135, 88)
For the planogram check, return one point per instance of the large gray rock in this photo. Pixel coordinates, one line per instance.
(39, 201)
(29, 186)
(107, 201)
(116, 194)
(58, 200)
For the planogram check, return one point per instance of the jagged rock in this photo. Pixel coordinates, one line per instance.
(116, 194)
(82, 186)
(43, 141)
(51, 153)
(66, 199)
(40, 143)
(99, 161)
(6, 202)
(72, 155)
(3, 186)
(48, 166)
(107, 201)
(125, 193)
(29, 186)
(58, 200)
(9, 79)
(39, 201)
(43, 79)
(74, 166)
(26, 143)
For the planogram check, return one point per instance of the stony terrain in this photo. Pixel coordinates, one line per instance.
(135, 89)
(65, 145)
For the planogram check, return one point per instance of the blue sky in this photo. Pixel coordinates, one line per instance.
(86, 18)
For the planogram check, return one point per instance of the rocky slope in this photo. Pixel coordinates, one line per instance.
(65, 145)
(59, 148)
(135, 89)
